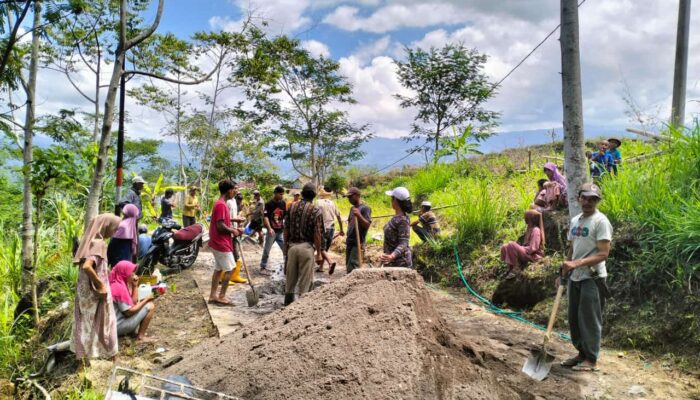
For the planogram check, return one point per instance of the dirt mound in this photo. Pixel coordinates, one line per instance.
(373, 334)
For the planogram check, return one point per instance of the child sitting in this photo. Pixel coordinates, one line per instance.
(601, 160)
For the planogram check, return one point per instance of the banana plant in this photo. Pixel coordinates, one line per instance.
(458, 145)
(149, 195)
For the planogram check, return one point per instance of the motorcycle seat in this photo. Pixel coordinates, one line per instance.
(188, 234)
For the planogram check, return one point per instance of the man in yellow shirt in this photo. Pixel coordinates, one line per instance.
(190, 208)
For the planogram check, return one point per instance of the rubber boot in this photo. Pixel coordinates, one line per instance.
(288, 299)
(236, 275)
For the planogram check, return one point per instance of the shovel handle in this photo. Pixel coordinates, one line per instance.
(245, 266)
(359, 244)
(553, 315)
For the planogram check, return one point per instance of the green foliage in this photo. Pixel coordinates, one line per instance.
(150, 194)
(335, 183)
(450, 90)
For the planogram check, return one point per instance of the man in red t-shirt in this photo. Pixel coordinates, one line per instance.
(220, 243)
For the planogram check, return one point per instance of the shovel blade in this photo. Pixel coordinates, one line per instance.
(251, 297)
(539, 363)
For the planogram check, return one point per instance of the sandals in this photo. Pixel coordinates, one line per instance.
(572, 362)
(331, 269)
(585, 366)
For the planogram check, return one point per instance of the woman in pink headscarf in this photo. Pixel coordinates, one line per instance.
(124, 243)
(133, 316)
(556, 188)
(532, 249)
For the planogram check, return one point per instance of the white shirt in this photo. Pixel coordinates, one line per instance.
(233, 210)
(584, 234)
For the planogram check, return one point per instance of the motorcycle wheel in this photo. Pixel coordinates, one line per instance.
(193, 258)
(146, 264)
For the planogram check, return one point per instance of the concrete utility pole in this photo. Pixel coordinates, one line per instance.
(680, 71)
(574, 154)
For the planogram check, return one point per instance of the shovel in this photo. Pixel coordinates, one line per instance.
(250, 295)
(539, 363)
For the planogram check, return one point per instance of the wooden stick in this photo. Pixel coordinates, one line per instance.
(359, 244)
(650, 135)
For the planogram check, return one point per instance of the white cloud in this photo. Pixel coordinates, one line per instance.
(316, 48)
(281, 16)
(367, 52)
(394, 16)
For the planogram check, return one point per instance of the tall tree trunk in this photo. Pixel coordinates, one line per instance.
(178, 133)
(93, 201)
(28, 266)
(574, 153)
(212, 112)
(680, 72)
(35, 257)
(96, 127)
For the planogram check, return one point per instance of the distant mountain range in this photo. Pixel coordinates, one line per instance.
(380, 152)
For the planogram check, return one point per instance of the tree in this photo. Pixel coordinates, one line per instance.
(335, 183)
(574, 155)
(450, 90)
(295, 95)
(130, 36)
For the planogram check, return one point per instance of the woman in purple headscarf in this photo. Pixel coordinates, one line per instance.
(556, 187)
(124, 243)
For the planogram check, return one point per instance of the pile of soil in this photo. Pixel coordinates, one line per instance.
(372, 334)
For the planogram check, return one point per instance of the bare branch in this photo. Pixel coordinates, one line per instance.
(177, 81)
(147, 32)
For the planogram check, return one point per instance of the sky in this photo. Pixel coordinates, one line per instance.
(627, 53)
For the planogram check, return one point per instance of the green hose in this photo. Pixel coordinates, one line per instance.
(493, 308)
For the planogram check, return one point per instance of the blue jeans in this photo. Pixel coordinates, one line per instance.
(278, 238)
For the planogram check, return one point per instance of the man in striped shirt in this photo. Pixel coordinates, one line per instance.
(428, 227)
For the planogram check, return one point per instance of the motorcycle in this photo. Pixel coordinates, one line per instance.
(175, 247)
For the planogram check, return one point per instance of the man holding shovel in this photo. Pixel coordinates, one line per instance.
(303, 233)
(590, 234)
(361, 214)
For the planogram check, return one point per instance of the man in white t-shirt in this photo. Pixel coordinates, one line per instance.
(235, 220)
(590, 234)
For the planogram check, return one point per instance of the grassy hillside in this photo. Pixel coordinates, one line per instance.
(654, 206)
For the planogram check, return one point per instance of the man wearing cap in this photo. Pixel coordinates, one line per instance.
(614, 144)
(275, 210)
(133, 196)
(303, 234)
(296, 196)
(428, 227)
(589, 235)
(363, 214)
(189, 211)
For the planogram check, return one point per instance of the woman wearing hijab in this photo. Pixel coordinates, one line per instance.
(95, 326)
(532, 248)
(556, 187)
(397, 231)
(133, 315)
(125, 241)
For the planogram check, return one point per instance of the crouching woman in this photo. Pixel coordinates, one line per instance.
(133, 315)
(532, 249)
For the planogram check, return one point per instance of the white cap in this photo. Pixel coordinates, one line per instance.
(137, 179)
(400, 193)
(426, 204)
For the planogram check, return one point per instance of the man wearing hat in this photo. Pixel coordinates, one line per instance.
(589, 237)
(257, 215)
(330, 213)
(428, 227)
(189, 210)
(613, 150)
(363, 214)
(133, 196)
(303, 235)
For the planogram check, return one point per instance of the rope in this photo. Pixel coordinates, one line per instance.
(487, 305)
